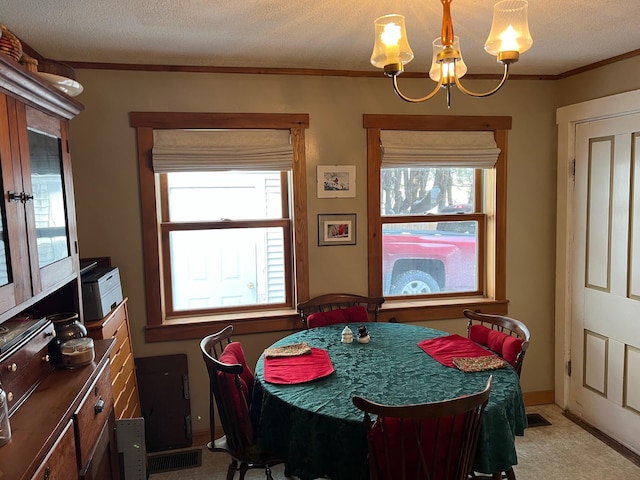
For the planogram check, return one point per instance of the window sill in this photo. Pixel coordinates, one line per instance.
(188, 328)
(405, 311)
(440, 309)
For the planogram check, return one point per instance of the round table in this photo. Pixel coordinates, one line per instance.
(316, 427)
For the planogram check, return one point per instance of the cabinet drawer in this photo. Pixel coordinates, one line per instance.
(122, 376)
(122, 350)
(60, 463)
(127, 400)
(93, 413)
(115, 322)
(25, 369)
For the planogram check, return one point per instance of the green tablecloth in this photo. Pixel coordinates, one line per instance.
(317, 429)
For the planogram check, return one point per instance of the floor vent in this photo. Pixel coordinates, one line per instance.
(166, 462)
(536, 420)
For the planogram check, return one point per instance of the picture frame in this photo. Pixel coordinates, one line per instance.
(336, 229)
(336, 181)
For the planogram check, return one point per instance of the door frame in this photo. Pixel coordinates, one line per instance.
(566, 120)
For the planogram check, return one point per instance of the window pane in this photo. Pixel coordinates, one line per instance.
(212, 196)
(417, 191)
(429, 257)
(221, 268)
(48, 198)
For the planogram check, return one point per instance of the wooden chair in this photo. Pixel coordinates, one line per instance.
(340, 301)
(428, 441)
(231, 386)
(507, 337)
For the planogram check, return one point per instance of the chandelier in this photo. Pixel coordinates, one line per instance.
(508, 38)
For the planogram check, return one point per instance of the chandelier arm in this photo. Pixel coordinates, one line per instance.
(505, 75)
(396, 89)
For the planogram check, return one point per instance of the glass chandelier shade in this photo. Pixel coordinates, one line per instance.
(510, 28)
(391, 45)
(447, 66)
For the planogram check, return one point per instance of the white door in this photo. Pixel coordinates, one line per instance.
(605, 323)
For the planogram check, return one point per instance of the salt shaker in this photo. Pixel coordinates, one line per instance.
(5, 428)
(347, 335)
(363, 334)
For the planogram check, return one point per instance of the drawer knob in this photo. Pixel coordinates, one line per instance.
(99, 406)
(45, 358)
(12, 368)
(10, 396)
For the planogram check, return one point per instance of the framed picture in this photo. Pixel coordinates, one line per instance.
(336, 181)
(337, 229)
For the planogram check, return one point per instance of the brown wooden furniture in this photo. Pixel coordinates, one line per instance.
(231, 383)
(62, 421)
(22, 370)
(123, 373)
(333, 301)
(507, 325)
(426, 441)
(65, 427)
(41, 258)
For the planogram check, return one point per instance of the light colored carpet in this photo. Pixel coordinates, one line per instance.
(560, 451)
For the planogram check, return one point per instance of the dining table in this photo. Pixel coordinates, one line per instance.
(315, 427)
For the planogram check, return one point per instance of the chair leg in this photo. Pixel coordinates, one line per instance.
(511, 474)
(267, 472)
(231, 471)
(244, 468)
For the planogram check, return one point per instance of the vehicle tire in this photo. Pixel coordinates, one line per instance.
(414, 282)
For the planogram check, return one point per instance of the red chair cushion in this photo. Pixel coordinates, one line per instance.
(233, 353)
(355, 314)
(237, 402)
(447, 437)
(504, 345)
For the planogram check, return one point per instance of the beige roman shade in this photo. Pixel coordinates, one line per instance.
(221, 150)
(402, 148)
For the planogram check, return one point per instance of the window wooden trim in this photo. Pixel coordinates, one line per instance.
(159, 329)
(494, 253)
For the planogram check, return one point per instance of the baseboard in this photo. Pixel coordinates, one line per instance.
(538, 398)
(200, 438)
(603, 437)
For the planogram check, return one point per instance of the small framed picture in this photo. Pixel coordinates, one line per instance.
(336, 181)
(336, 229)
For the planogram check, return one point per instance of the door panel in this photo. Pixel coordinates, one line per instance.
(605, 347)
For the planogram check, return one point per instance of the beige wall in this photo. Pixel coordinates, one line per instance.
(105, 177)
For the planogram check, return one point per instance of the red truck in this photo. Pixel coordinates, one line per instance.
(422, 262)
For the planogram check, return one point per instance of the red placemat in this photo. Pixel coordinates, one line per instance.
(444, 349)
(298, 369)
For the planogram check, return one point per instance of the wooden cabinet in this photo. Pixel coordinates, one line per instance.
(60, 462)
(38, 247)
(62, 421)
(40, 442)
(123, 375)
(22, 371)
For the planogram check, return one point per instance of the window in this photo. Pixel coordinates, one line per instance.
(227, 241)
(436, 210)
(224, 215)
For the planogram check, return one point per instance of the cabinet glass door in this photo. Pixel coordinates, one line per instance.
(48, 198)
(4, 251)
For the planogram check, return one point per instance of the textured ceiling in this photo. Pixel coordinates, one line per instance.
(314, 34)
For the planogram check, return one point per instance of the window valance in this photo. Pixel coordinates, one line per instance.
(221, 150)
(402, 148)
